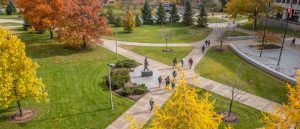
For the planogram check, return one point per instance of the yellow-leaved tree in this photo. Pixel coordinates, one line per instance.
(128, 22)
(186, 111)
(287, 116)
(18, 80)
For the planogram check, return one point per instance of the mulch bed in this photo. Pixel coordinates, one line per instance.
(265, 47)
(132, 97)
(28, 114)
(233, 118)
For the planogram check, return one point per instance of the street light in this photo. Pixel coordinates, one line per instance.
(286, 26)
(110, 66)
(116, 40)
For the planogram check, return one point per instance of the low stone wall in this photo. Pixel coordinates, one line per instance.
(240, 38)
(262, 66)
(280, 24)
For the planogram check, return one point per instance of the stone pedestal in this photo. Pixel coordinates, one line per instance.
(147, 73)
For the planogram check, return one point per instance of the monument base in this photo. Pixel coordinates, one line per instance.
(147, 73)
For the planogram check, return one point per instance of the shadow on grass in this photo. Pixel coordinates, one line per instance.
(50, 50)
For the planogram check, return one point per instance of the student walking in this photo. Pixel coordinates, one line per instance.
(174, 74)
(167, 81)
(173, 84)
(151, 103)
(174, 62)
(182, 62)
(159, 81)
(203, 48)
(191, 62)
(293, 44)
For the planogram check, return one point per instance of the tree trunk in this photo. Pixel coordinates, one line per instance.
(51, 34)
(20, 109)
(84, 42)
(255, 23)
(221, 46)
(230, 107)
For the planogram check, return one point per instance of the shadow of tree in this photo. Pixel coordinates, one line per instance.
(50, 50)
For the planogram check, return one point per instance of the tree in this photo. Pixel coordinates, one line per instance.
(250, 8)
(138, 21)
(161, 14)
(44, 14)
(147, 14)
(174, 14)
(118, 22)
(128, 22)
(213, 5)
(10, 8)
(3, 3)
(202, 17)
(110, 16)
(18, 73)
(185, 110)
(83, 25)
(286, 116)
(188, 14)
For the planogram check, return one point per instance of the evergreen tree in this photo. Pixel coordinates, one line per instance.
(188, 14)
(128, 22)
(202, 17)
(118, 22)
(110, 16)
(11, 8)
(146, 14)
(138, 21)
(161, 14)
(174, 14)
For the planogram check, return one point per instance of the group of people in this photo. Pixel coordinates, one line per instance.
(206, 44)
(190, 62)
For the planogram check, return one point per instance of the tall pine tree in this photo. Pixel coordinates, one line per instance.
(202, 17)
(161, 14)
(174, 14)
(188, 14)
(11, 8)
(146, 14)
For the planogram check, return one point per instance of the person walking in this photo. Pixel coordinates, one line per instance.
(208, 42)
(167, 81)
(173, 84)
(203, 48)
(293, 44)
(191, 62)
(174, 62)
(151, 103)
(174, 74)
(159, 81)
(182, 62)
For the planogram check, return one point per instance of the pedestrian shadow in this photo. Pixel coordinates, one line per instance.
(141, 112)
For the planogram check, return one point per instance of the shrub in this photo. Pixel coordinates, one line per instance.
(141, 89)
(127, 91)
(118, 22)
(118, 78)
(126, 64)
(10, 8)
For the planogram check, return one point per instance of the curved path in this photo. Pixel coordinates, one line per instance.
(140, 110)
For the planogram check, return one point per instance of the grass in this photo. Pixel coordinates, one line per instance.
(235, 33)
(122, 12)
(156, 34)
(223, 67)
(249, 118)
(156, 53)
(78, 97)
(215, 20)
(4, 16)
(249, 25)
(10, 24)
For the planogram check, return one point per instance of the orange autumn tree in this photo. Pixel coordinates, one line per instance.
(42, 14)
(83, 24)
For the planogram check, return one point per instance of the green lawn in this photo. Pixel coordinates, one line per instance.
(156, 34)
(249, 118)
(10, 24)
(78, 97)
(216, 20)
(223, 67)
(249, 25)
(156, 53)
(235, 33)
(4, 16)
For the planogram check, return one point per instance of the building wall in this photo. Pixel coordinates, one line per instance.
(286, 4)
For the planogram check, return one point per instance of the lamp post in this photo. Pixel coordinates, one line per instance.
(110, 66)
(116, 40)
(289, 10)
(265, 30)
